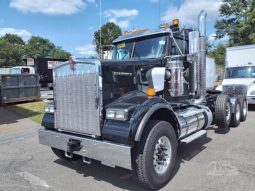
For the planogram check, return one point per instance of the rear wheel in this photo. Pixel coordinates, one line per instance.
(61, 154)
(244, 107)
(236, 115)
(156, 155)
(222, 111)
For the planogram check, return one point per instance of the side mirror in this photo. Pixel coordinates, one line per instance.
(193, 42)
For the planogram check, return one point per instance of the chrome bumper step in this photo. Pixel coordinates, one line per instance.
(194, 136)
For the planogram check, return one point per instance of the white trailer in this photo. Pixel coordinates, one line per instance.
(240, 56)
(240, 69)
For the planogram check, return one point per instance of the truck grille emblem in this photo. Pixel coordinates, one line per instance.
(71, 63)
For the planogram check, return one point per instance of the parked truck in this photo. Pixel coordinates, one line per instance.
(134, 110)
(240, 69)
(44, 68)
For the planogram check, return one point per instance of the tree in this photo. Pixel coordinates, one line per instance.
(58, 52)
(248, 26)
(38, 47)
(11, 50)
(219, 54)
(237, 21)
(109, 31)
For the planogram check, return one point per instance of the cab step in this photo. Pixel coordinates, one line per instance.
(194, 136)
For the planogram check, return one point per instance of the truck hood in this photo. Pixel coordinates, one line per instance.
(241, 81)
(121, 76)
(248, 82)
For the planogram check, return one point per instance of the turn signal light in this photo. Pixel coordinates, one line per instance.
(176, 22)
(151, 92)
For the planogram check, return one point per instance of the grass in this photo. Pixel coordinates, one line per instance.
(33, 110)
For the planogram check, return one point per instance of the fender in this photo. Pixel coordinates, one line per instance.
(141, 109)
(155, 107)
(148, 115)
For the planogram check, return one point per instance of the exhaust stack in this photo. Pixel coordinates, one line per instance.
(201, 64)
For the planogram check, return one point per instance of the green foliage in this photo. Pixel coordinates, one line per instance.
(238, 19)
(58, 52)
(38, 47)
(219, 54)
(109, 31)
(13, 50)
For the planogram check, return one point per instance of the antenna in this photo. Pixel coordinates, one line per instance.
(100, 33)
(182, 14)
(159, 11)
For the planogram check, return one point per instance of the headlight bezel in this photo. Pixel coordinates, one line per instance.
(117, 114)
(49, 108)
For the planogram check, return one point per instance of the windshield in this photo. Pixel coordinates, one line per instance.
(152, 47)
(15, 71)
(241, 72)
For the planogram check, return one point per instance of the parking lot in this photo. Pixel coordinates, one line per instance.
(221, 161)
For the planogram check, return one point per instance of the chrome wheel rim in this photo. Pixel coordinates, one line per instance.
(238, 112)
(228, 112)
(245, 111)
(162, 155)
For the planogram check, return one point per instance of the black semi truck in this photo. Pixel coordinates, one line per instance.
(44, 68)
(134, 110)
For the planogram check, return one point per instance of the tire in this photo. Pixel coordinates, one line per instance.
(147, 169)
(222, 111)
(244, 107)
(61, 154)
(236, 115)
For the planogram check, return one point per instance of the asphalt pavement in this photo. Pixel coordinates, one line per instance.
(222, 161)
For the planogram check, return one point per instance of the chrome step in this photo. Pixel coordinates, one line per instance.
(194, 136)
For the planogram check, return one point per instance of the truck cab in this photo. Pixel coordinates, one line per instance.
(134, 110)
(243, 76)
(22, 70)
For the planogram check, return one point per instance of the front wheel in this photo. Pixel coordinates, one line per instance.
(156, 155)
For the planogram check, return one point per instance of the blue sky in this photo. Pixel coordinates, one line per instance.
(71, 23)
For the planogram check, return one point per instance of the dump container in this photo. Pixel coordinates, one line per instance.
(15, 88)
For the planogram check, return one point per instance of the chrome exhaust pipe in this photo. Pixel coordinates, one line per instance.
(201, 66)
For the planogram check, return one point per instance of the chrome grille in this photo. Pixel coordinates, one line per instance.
(76, 101)
(235, 89)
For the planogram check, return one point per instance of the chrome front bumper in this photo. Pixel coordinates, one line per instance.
(110, 154)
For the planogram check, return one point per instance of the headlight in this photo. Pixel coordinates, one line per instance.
(117, 114)
(49, 108)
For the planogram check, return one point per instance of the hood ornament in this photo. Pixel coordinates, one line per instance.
(71, 63)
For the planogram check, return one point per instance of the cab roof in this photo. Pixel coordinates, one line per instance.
(142, 34)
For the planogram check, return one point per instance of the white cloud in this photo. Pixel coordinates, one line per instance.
(117, 13)
(190, 9)
(24, 34)
(87, 50)
(49, 7)
(125, 15)
(213, 40)
(124, 24)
